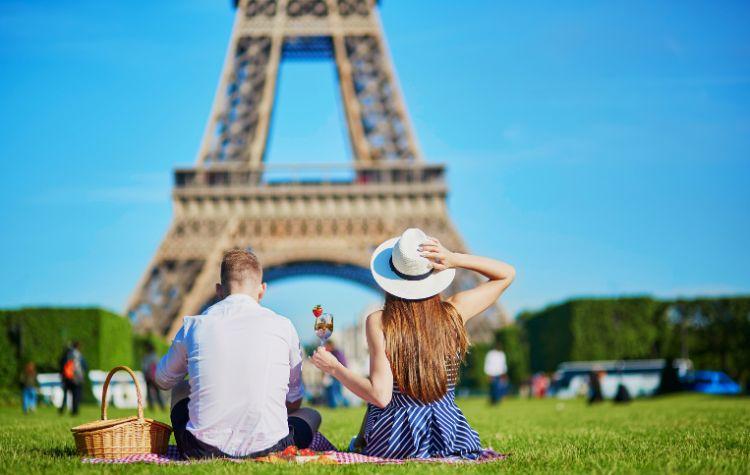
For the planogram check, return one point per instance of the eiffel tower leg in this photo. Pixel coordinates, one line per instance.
(378, 104)
(352, 107)
(237, 131)
(157, 298)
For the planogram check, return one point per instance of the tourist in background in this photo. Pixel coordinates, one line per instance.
(539, 385)
(148, 368)
(496, 369)
(669, 380)
(72, 373)
(595, 386)
(333, 388)
(29, 385)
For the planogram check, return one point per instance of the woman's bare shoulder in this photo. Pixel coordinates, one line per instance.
(450, 306)
(375, 318)
(374, 323)
(374, 330)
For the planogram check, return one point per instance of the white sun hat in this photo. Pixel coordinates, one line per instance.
(399, 269)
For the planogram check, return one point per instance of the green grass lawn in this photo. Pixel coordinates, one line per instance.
(687, 433)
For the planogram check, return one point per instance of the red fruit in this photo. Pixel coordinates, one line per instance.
(289, 451)
(317, 311)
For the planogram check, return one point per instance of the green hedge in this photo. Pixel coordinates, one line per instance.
(9, 368)
(713, 332)
(550, 337)
(614, 328)
(516, 348)
(472, 371)
(593, 329)
(40, 335)
(516, 351)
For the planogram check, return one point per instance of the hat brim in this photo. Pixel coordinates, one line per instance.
(406, 289)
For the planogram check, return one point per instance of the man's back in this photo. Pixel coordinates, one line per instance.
(243, 362)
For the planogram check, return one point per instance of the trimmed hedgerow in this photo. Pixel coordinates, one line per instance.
(550, 336)
(592, 329)
(41, 334)
(516, 348)
(472, 371)
(613, 328)
(713, 332)
(9, 369)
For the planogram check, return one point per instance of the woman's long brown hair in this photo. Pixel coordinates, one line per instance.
(422, 337)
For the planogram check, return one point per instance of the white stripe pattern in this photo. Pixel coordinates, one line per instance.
(408, 428)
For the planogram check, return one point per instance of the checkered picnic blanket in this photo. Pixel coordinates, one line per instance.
(325, 453)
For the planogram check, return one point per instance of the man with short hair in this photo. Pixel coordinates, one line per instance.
(244, 365)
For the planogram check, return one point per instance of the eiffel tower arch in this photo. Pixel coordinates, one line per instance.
(320, 219)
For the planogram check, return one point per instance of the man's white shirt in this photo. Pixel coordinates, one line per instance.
(495, 364)
(244, 362)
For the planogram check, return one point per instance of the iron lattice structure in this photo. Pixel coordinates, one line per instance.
(299, 219)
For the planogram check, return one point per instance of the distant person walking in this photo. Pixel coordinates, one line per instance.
(29, 385)
(63, 361)
(539, 385)
(595, 386)
(496, 368)
(669, 381)
(72, 372)
(148, 367)
(333, 388)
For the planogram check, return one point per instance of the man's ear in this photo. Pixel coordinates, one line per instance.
(219, 292)
(262, 291)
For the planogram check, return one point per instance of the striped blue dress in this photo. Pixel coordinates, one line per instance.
(408, 428)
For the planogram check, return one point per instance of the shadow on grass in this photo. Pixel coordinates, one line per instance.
(63, 451)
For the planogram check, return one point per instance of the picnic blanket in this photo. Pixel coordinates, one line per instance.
(325, 453)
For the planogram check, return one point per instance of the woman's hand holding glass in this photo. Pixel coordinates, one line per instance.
(325, 361)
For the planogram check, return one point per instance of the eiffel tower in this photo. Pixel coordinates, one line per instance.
(305, 219)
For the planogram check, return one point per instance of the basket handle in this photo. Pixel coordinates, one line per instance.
(137, 391)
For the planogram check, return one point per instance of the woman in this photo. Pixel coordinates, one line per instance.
(416, 344)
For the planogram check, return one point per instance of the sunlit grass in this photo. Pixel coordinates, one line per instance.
(688, 433)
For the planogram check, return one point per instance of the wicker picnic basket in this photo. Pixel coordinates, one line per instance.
(115, 438)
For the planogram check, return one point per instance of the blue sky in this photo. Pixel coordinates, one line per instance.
(603, 148)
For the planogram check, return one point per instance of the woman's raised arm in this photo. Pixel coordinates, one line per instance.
(472, 302)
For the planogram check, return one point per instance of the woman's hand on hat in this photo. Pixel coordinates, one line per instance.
(440, 257)
(325, 361)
